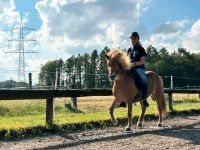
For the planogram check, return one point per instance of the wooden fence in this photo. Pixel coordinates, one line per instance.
(49, 95)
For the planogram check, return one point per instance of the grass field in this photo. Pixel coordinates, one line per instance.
(29, 113)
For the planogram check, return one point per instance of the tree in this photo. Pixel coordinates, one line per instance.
(69, 68)
(163, 53)
(86, 70)
(94, 67)
(103, 71)
(13, 84)
(78, 70)
(152, 54)
(47, 74)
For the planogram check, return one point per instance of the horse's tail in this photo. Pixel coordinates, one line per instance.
(159, 93)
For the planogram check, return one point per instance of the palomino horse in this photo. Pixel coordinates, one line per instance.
(124, 88)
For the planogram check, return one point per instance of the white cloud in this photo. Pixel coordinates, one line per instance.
(113, 33)
(86, 24)
(191, 38)
(2, 38)
(170, 27)
(168, 35)
(171, 36)
(9, 15)
(9, 18)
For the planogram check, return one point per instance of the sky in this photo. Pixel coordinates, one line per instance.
(68, 27)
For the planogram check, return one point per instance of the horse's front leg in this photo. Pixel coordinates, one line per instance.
(128, 128)
(114, 104)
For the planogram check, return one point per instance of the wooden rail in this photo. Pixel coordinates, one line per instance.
(49, 95)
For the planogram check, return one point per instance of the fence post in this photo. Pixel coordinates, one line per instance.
(30, 80)
(50, 107)
(170, 101)
(172, 84)
(56, 80)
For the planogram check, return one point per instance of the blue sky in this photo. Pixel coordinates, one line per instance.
(28, 6)
(67, 27)
(169, 10)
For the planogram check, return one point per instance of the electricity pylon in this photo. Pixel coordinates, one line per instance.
(21, 39)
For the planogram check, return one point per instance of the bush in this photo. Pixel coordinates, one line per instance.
(3, 133)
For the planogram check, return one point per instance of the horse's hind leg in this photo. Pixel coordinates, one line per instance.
(113, 106)
(141, 119)
(159, 124)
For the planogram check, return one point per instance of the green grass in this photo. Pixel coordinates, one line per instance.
(186, 104)
(25, 114)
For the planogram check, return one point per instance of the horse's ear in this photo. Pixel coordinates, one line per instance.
(107, 57)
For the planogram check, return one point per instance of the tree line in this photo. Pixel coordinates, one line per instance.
(90, 70)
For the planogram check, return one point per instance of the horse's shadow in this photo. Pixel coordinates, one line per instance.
(188, 132)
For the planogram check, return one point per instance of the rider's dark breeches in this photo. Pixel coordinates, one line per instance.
(140, 80)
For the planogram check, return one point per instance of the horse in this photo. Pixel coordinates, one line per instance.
(125, 90)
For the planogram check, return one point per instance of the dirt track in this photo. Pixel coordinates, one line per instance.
(178, 133)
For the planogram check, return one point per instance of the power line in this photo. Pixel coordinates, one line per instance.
(21, 51)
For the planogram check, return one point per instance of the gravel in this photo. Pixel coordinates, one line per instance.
(177, 133)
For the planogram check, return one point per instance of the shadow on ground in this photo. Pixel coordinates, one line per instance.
(188, 132)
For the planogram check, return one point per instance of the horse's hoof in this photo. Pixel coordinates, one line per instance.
(115, 122)
(128, 129)
(139, 125)
(159, 125)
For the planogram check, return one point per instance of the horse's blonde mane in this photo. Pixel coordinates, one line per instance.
(121, 57)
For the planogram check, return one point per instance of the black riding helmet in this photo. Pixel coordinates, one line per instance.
(134, 34)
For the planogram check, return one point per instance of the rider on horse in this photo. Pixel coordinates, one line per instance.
(137, 55)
